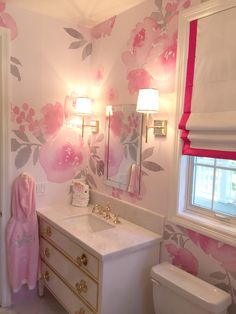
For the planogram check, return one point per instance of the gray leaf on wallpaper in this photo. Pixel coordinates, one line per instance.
(100, 138)
(166, 235)
(158, 17)
(133, 152)
(77, 44)
(16, 61)
(181, 241)
(74, 33)
(134, 136)
(22, 136)
(100, 167)
(218, 275)
(126, 151)
(23, 156)
(87, 51)
(233, 274)
(41, 138)
(90, 180)
(143, 173)
(15, 72)
(159, 4)
(92, 165)
(223, 286)
(147, 153)
(169, 228)
(14, 145)
(152, 166)
(36, 155)
(175, 238)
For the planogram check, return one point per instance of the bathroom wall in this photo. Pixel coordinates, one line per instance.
(137, 49)
(45, 70)
(140, 51)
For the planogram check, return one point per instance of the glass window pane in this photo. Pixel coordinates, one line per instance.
(202, 186)
(226, 163)
(204, 161)
(225, 192)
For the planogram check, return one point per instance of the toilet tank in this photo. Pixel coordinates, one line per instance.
(176, 291)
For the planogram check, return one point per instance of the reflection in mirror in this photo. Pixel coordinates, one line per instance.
(123, 148)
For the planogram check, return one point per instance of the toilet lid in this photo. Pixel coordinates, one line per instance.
(192, 288)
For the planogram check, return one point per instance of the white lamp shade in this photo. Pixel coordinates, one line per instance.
(148, 100)
(83, 105)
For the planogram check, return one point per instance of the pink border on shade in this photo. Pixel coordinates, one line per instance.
(189, 82)
(187, 149)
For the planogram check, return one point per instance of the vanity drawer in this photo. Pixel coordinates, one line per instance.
(72, 250)
(64, 295)
(84, 286)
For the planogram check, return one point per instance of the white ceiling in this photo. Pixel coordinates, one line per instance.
(86, 13)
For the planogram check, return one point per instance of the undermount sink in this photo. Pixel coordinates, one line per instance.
(88, 223)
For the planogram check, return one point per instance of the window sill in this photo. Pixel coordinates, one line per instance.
(225, 233)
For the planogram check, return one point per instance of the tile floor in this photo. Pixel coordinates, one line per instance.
(27, 302)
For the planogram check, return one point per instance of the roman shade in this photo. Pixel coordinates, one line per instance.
(208, 122)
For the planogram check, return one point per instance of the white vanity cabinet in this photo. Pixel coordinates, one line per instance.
(85, 282)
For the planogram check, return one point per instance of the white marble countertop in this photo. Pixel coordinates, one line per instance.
(122, 238)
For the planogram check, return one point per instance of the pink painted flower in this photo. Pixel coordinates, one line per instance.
(103, 29)
(226, 255)
(116, 122)
(111, 96)
(62, 157)
(139, 78)
(53, 119)
(7, 21)
(143, 38)
(183, 258)
(114, 156)
(99, 75)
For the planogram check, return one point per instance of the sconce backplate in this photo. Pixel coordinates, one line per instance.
(160, 127)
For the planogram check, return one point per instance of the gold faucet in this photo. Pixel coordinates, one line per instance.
(106, 213)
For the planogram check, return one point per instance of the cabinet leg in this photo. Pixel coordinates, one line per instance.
(40, 288)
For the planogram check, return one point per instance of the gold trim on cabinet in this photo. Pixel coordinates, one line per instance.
(81, 286)
(83, 259)
(72, 260)
(46, 276)
(46, 252)
(60, 301)
(61, 250)
(90, 306)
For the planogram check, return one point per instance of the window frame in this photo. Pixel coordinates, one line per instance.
(201, 210)
(218, 228)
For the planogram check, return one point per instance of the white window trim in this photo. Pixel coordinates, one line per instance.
(178, 214)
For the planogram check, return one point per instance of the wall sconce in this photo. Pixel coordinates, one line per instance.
(148, 102)
(83, 107)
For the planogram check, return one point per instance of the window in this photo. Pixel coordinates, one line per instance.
(212, 185)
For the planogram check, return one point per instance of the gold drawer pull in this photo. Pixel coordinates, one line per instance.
(81, 311)
(82, 260)
(48, 231)
(46, 276)
(81, 286)
(47, 252)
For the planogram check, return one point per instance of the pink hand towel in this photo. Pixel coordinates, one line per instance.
(134, 180)
(22, 235)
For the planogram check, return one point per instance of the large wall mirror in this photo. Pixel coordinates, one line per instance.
(123, 148)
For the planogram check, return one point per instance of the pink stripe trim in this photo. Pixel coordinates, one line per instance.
(187, 150)
(190, 66)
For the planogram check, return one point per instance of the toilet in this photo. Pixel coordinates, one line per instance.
(177, 292)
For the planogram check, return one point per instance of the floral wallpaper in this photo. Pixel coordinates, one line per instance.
(110, 62)
(202, 256)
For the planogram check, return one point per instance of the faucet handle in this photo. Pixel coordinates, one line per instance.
(116, 219)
